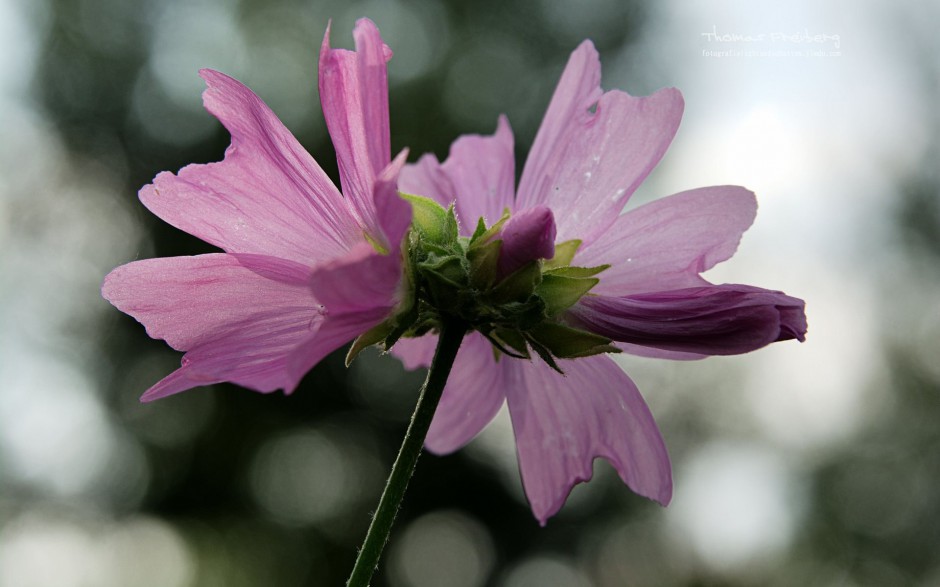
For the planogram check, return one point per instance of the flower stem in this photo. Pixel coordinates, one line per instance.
(448, 343)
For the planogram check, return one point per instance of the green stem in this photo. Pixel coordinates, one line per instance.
(447, 345)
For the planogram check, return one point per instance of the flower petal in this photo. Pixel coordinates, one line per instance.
(472, 397)
(651, 353)
(268, 196)
(482, 171)
(713, 320)
(578, 89)
(415, 353)
(606, 155)
(354, 96)
(426, 178)
(563, 422)
(239, 316)
(188, 301)
(526, 236)
(393, 211)
(665, 244)
(585, 165)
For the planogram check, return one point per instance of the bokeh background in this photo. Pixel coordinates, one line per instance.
(812, 464)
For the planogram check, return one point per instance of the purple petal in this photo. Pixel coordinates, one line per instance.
(713, 320)
(665, 244)
(354, 96)
(526, 236)
(188, 301)
(563, 422)
(472, 397)
(482, 171)
(268, 196)
(585, 165)
(651, 353)
(426, 178)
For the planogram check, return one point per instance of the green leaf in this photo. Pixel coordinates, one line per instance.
(486, 235)
(564, 253)
(560, 293)
(543, 352)
(565, 342)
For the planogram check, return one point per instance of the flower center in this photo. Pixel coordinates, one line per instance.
(496, 281)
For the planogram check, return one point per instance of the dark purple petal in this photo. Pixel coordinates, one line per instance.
(712, 320)
(526, 236)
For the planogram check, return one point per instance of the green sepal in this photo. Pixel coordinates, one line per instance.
(374, 335)
(431, 220)
(565, 342)
(512, 339)
(543, 352)
(482, 236)
(519, 286)
(564, 253)
(560, 293)
(445, 277)
(483, 261)
(577, 272)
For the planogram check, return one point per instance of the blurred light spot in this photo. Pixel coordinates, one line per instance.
(146, 552)
(542, 571)
(442, 548)
(36, 551)
(633, 554)
(189, 37)
(44, 549)
(736, 506)
(312, 476)
(165, 120)
(21, 28)
(53, 433)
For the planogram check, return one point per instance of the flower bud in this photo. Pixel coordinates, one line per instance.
(526, 236)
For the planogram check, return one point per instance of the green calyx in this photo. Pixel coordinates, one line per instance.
(450, 275)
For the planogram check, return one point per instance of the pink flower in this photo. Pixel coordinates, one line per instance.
(590, 154)
(305, 268)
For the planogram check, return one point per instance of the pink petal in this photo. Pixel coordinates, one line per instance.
(603, 158)
(665, 244)
(472, 397)
(482, 171)
(361, 280)
(563, 422)
(188, 301)
(526, 236)
(712, 320)
(268, 196)
(426, 178)
(415, 353)
(354, 96)
(239, 316)
(393, 211)
(578, 89)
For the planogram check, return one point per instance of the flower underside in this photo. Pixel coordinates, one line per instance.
(453, 277)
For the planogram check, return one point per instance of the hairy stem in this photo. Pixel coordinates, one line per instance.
(448, 343)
